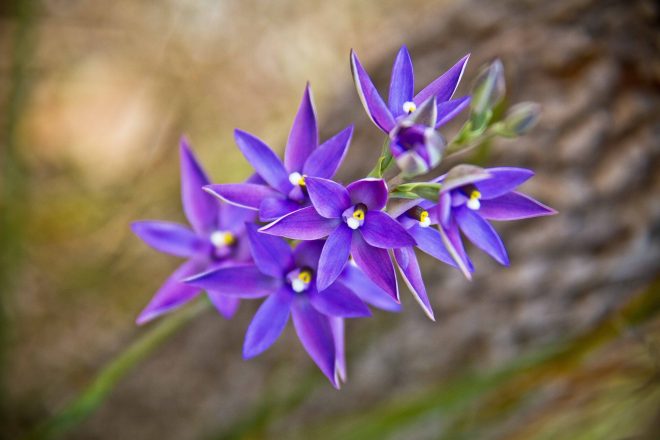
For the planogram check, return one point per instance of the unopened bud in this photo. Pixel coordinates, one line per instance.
(521, 118)
(489, 88)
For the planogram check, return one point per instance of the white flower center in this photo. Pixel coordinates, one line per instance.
(353, 223)
(409, 107)
(297, 179)
(298, 285)
(222, 238)
(473, 202)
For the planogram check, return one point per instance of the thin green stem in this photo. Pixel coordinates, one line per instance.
(106, 380)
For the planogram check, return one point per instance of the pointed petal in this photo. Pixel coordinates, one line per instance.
(329, 198)
(402, 84)
(303, 224)
(307, 254)
(482, 234)
(243, 281)
(327, 158)
(264, 160)
(371, 100)
(245, 195)
(502, 181)
(171, 238)
(353, 278)
(334, 256)
(381, 230)
(338, 300)
(337, 328)
(451, 238)
(407, 261)
(226, 305)
(513, 206)
(271, 254)
(372, 192)
(304, 136)
(376, 264)
(268, 323)
(430, 242)
(444, 86)
(172, 294)
(315, 334)
(233, 218)
(449, 109)
(200, 209)
(273, 208)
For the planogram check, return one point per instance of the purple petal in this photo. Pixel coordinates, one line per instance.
(303, 224)
(171, 238)
(372, 192)
(451, 238)
(502, 181)
(264, 160)
(226, 305)
(338, 300)
(307, 254)
(243, 281)
(402, 84)
(244, 195)
(273, 208)
(376, 264)
(513, 206)
(481, 233)
(449, 109)
(268, 323)
(462, 175)
(329, 198)
(444, 86)
(316, 336)
(407, 261)
(371, 100)
(353, 278)
(304, 136)
(381, 230)
(200, 209)
(337, 327)
(334, 256)
(233, 218)
(271, 254)
(173, 293)
(325, 160)
(430, 242)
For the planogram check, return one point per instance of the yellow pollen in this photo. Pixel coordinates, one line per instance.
(423, 216)
(409, 107)
(475, 195)
(305, 277)
(228, 239)
(301, 181)
(358, 214)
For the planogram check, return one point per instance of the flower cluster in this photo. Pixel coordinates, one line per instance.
(321, 252)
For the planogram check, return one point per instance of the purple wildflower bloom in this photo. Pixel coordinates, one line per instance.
(284, 189)
(353, 220)
(411, 120)
(216, 240)
(287, 278)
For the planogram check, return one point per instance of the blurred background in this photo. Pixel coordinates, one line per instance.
(93, 98)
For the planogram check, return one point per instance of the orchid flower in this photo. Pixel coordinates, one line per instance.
(284, 189)
(411, 120)
(353, 220)
(215, 239)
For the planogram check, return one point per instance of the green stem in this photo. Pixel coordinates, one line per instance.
(94, 395)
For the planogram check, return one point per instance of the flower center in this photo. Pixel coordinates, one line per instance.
(354, 216)
(300, 279)
(473, 202)
(421, 215)
(221, 239)
(297, 179)
(409, 107)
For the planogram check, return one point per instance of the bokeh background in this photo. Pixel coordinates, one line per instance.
(94, 96)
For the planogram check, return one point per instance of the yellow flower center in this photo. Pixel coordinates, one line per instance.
(474, 203)
(358, 214)
(305, 276)
(222, 238)
(409, 107)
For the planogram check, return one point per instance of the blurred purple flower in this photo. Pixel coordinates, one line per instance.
(283, 189)
(215, 240)
(287, 278)
(353, 220)
(411, 120)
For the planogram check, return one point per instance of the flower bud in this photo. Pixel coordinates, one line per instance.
(521, 118)
(488, 89)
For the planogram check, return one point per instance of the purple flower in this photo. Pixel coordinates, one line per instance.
(287, 278)
(353, 220)
(411, 120)
(215, 240)
(284, 189)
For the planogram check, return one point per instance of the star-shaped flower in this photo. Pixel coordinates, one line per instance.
(284, 189)
(215, 240)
